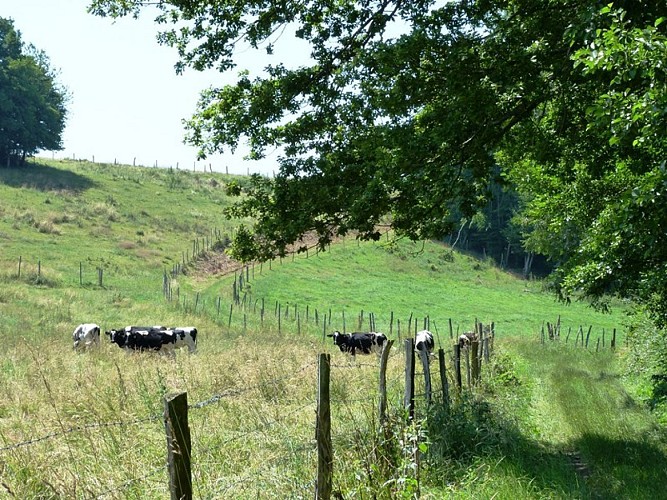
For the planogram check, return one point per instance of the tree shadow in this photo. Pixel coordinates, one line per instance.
(624, 468)
(593, 466)
(42, 177)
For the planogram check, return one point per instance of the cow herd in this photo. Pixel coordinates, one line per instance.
(163, 339)
(138, 338)
(373, 342)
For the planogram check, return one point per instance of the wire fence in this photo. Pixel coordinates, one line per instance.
(355, 407)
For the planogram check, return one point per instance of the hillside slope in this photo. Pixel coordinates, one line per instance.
(547, 421)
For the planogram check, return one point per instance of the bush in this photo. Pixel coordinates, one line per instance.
(646, 362)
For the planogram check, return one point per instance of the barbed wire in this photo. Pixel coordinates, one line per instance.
(83, 427)
(238, 391)
(124, 485)
(97, 425)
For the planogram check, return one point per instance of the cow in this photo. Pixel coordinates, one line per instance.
(184, 336)
(156, 338)
(86, 335)
(466, 338)
(424, 342)
(141, 340)
(365, 343)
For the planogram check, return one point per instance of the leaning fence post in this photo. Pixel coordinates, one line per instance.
(423, 354)
(178, 446)
(409, 399)
(382, 408)
(323, 431)
(475, 361)
(457, 366)
(443, 377)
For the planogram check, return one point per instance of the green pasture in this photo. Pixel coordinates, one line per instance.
(546, 421)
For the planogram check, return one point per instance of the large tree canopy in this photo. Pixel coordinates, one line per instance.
(407, 109)
(32, 104)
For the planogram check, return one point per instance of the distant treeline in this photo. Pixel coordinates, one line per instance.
(493, 233)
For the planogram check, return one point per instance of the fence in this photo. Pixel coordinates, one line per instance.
(179, 461)
(553, 333)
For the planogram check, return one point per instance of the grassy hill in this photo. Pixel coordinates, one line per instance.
(547, 421)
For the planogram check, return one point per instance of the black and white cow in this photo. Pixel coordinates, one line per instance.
(155, 338)
(424, 341)
(466, 338)
(184, 336)
(86, 335)
(140, 340)
(364, 343)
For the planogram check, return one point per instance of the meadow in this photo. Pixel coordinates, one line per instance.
(547, 421)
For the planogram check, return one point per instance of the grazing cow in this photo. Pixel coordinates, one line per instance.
(141, 340)
(86, 335)
(365, 343)
(424, 341)
(156, 338)
(184, 336)
(466, 338)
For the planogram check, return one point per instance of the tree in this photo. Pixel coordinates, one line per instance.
(32, 104)
(598, 207)
(408, 107)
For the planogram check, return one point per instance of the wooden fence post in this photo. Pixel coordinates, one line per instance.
(466, 351)
(409, 398)
(457, 366)
(19, 274)
(613, 339)
(443, 378)
(178, 446)
(474, 352)
(382, 406)
(424, 355)
(323, 431)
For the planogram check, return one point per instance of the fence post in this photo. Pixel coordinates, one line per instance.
(423, 354)
(178, 446)
(457, 366)
(382, 407)
(613, 339)
(474, 352)
(443, 377)
(409, 398)
(323, 431)
(19, 274)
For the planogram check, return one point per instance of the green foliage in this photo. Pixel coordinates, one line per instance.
(646, 363)
(593, 187)
(255, 438)
(32, 103)
(405, 108)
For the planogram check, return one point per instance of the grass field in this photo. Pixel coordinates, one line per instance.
(547, 421)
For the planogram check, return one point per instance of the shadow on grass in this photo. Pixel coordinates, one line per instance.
(591, 466)
(472, 432)
(44, 178)
(624, 468)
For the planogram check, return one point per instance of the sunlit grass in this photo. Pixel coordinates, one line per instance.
(85, 425)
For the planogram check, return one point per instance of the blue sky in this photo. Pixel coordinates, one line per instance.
(127, 101)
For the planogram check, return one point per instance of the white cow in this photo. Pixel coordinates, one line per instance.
(86, 335)
(424, 341)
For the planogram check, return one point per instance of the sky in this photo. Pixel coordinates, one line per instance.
(127, 102)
